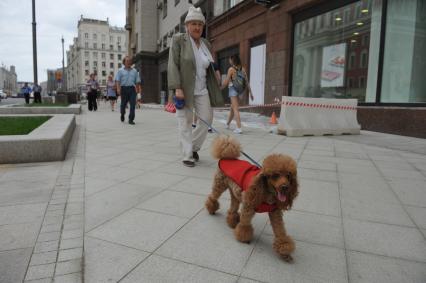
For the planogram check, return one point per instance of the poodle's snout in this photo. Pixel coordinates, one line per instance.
(284, 187)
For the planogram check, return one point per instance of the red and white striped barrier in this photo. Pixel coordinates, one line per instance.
(302, 116)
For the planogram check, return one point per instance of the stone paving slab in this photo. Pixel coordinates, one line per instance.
(169, 270)
(313, 263)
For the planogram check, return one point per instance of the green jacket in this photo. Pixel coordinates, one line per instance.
(181, 71)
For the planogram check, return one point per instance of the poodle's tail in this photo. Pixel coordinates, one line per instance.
(225, 147)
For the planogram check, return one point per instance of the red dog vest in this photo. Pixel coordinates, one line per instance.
(242, 173)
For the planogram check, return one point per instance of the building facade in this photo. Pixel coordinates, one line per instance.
(371, 50)
(99, 48)
(8, 80)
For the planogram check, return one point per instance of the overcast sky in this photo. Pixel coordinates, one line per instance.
(54, 18)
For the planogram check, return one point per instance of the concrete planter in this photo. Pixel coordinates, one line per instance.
(49, 142)
(13, 110)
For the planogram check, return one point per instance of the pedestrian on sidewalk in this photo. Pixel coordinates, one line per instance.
(128, 84)
(111, 92)
(237, 82)
(37, 93)
(26, 90)
(192, 77)
(93, 86)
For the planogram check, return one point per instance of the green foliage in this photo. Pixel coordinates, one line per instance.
(20, 125)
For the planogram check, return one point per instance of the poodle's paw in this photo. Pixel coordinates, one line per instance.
(212, 205)
(244, 233)
(233, 219)
(287, 258)
(284, 247)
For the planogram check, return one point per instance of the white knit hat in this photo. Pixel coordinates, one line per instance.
(195, 14)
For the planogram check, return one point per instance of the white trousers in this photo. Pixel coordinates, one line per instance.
(193, 140)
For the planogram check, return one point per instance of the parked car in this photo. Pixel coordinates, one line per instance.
(3, 95)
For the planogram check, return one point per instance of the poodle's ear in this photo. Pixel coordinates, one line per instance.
(293, 191)
(253, 196)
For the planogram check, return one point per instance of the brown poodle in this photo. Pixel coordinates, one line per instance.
(271, 189)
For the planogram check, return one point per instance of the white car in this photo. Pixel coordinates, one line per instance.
(2, 95)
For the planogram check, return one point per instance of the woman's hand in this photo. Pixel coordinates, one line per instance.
(179, 94)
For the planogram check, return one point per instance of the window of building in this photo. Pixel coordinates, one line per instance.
(86, 54)
(103, 56)
(350, 83)
(111, 56)
(404, 59)
(164, 9)
(362, 82)
(327, 66)
(103, 73)
(119, 56)
(86, 63)
(111, 38)
(119, 65)
(95, 36)
(103, 64)
(365, 40)
(95, 46)
(103, 37)
(86, 45)
(104, 82)
(111, 47)
(95, 63)
(86, 72)
(352, 58)
(111, 65)
(119, 47)
(118, 38)
(95, 54)
(86, 35)
(364, 59)
(103, 46)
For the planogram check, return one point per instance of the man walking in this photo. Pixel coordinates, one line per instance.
(93, 86)
(37, 93)
(26, 90)
(128, 83)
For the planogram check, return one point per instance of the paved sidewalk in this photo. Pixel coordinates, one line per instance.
(360, 215)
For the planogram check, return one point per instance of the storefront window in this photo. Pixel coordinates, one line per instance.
(335, 55)
(404, 64)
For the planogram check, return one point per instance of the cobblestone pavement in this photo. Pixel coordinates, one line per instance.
(360, 215)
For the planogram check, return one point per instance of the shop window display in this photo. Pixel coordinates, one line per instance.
(330, 59)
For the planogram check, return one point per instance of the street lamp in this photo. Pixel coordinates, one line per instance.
(34, 45)
(63, 64)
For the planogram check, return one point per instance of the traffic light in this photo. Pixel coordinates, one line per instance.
(266, 3)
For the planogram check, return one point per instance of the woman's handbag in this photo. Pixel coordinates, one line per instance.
(170, 107)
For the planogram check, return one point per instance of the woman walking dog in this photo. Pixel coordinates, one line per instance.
(192, 77)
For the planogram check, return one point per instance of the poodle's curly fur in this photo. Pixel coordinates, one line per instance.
(278, 171)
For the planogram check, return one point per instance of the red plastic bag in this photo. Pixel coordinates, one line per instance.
(170, 107)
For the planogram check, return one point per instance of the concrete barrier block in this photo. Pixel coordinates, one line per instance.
(301, 116)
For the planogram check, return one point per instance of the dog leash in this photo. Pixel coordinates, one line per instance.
(243, 153)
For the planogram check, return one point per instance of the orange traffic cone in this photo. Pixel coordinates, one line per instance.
(273, 119)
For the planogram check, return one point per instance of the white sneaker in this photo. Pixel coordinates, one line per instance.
(238, 131)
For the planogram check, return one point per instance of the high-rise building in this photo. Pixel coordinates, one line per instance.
(99, 48)
(8, 80)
